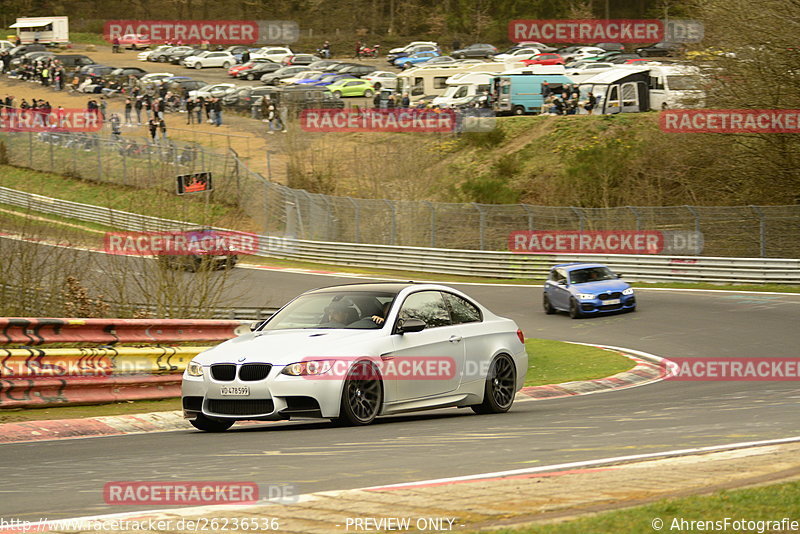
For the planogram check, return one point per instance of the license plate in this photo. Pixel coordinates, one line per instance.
(234, 390)
(612, 301)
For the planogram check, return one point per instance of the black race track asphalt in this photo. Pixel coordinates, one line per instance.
(58, 479)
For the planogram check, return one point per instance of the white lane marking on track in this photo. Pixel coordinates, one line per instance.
(206, 510)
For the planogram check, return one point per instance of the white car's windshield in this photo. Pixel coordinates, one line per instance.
(592, 274)
(351, 310)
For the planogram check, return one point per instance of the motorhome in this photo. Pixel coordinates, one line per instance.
(635, 88)
(521, 93)
(42, 30)
(429, 82)
(463, 87)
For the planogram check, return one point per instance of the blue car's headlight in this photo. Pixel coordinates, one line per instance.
(586, 296)
(628, 291)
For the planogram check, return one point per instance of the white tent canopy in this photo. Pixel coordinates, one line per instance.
(32, 24)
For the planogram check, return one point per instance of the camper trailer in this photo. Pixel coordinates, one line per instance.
(431, 81)
(462, 88)
(42, 30)
(631, 88)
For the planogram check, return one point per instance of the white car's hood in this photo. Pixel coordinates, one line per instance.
(283, 347)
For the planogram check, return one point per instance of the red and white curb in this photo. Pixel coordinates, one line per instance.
(648, 369)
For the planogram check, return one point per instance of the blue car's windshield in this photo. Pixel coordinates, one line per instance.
(351, 310)
(591, 274)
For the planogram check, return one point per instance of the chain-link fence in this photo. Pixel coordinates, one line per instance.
(735, 231)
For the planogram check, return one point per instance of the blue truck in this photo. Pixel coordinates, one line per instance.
(521, 93)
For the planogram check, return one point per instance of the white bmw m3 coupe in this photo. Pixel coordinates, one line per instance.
(355, 352)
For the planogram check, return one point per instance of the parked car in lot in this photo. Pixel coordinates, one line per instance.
(244, 67)
(349, 87)
(210, 59)
(244, 97)
(582, 52)
(142, 56)
(627, 59)
(320, 356)
(262, 67)
(162, 55)
(302, 75)
(121, 74)
(544, 59)
(273, 53)
(272, 78)
(323, 64)
(332, 78)
(475, 50)
(96, 71)
(134, 41)
(75, 60)
(413, 48)
(213, 90)
(183, 84)
(517, 54)
(31, 57)
(581, 68)
(357, 70)
(615, 47)
(584, 289)
(300, 59)
(442, 60)
(662, 49)
(382, 80)
(155, 77)
(176, 57)
(407, 62)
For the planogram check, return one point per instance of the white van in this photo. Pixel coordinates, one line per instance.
(42, 30)
(463, 87)
(675, 86)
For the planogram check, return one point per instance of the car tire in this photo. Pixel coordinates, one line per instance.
(368, 93)
(198, 65)
(518, 110)
(201, 422)
(227, 65)
(337, 94)
(378, 86)
(574, 309)
(162, 59)
(500, 386)
(362, 395)
(548, 308)
(250, 77)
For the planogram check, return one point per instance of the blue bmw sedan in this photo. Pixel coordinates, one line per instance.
(585, 289)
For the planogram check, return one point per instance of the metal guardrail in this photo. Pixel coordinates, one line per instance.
(646, 268)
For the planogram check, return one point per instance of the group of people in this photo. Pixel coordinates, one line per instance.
(392, 101)
(565, 100)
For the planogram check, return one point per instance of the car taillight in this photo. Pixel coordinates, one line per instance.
(520, 335)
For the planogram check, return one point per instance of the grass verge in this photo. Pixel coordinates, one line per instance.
(550, 362)
(554, 362)
(759, 505)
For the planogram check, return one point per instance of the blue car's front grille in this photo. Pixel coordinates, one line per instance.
(607, 296)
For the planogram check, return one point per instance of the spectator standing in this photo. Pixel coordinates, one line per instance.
(199, 107)
(128, 109)
(114, 121)
(152, 125)
(405, 101)
(358, 49)
(162, 125)
(591, 103)
(137, 106)
(103, 106)
(190, 111)
(218, 112)
(115, 46)
(245, 57)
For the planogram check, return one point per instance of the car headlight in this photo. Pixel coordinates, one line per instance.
(312, 367)
(586, 296)
(194, 369)
(628, 291)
